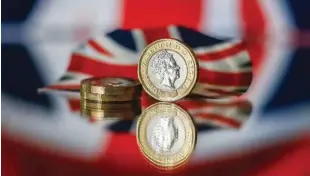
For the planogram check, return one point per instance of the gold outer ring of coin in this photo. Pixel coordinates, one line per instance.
(133, 89)
(99, 115)
(189, 59)
(128, 105)
(107, 97)
(190, 139)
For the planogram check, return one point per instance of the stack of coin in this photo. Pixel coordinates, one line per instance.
(110, 97)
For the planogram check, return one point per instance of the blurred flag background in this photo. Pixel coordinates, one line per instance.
(39, 36)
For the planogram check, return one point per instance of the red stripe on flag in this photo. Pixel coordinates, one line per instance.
(151, 35)
(218, 55)
(98, 48)
(203, 102)
(145, 14)
(301, 39)
(87, 65)
(224, 93)
(220, 119)
(196, 104)
(225, 79)
(74, 104)
(254, 26)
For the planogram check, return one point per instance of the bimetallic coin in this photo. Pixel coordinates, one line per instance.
(108, 97)
(166, 134)
(167, 70)
(111, 86)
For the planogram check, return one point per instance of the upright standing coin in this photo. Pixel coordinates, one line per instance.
(166, 134)
(167, 70)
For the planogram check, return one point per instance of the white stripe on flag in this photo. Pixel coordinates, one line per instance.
(278, 52)
(221, 18)
(54, 28)
(229, 64)
(139, 39)
(174, 32)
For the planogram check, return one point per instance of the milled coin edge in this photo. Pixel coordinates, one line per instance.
(86, 86)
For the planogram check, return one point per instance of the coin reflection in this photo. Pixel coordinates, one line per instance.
(96, 111)
(166, 134)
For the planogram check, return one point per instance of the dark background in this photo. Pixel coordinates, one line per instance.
(20, 76)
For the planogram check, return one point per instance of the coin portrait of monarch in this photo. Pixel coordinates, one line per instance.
(164, 135)
(166, 68)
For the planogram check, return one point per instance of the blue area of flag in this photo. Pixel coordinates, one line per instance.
(21, 78)
(121, 126)
(123, 37)
(196, 39)
(294, 87)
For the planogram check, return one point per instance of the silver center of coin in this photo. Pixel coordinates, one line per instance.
(167, 70)
(164, 135)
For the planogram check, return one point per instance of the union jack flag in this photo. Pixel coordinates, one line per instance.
(225, 68)
(37, 143)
